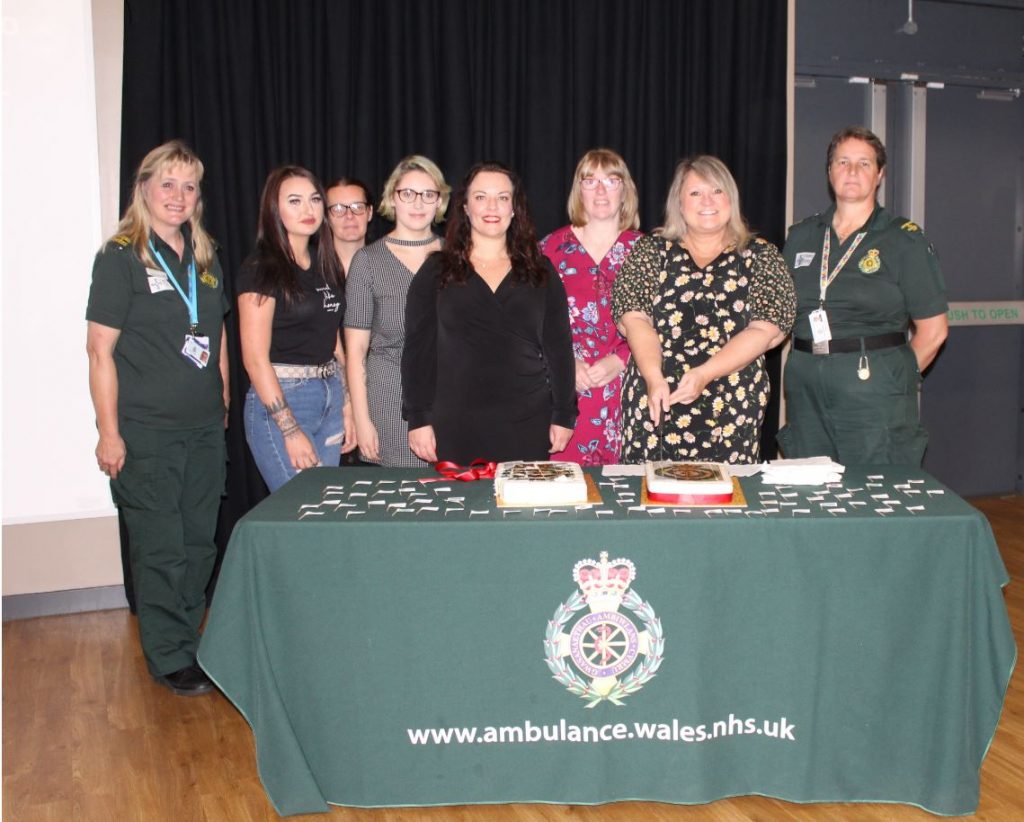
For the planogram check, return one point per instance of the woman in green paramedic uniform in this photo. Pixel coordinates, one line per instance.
(863, 278)
(158, 378)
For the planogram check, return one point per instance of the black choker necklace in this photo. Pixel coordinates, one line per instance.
(411, 243)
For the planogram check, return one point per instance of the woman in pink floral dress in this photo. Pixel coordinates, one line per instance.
(587, 255)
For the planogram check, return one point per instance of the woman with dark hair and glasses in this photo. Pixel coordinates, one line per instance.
(863, 277)
(488, 370)
(587, 254)
(415, 197)
(291, 300)
(349, 211)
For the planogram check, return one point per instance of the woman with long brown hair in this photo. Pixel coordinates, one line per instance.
(487, 368)
(291, 304)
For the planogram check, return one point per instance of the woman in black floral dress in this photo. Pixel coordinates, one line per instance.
(700, 301)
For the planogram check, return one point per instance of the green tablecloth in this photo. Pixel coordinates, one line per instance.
(386, 641)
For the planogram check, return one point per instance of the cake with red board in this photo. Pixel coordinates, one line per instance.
(688, 483)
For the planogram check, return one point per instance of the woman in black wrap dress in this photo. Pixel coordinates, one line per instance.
(487, 369)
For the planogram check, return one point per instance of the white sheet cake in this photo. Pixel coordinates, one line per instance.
(703, 479)
(540, 483)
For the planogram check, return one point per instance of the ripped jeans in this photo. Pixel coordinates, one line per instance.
(316, 404)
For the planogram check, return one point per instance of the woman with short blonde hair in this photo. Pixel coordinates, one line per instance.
(700, 303)
(415, 197)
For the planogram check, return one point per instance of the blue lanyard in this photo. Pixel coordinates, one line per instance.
(192, 298)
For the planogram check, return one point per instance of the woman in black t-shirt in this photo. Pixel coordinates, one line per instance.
(291, 304)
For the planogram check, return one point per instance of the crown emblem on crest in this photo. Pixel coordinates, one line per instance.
(607, 646)
(604, 583)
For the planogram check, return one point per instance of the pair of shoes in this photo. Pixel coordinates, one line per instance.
(190, 681)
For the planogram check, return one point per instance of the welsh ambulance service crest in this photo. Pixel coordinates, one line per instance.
(604, 654)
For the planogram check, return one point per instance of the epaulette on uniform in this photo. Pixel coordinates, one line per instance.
(122, 241)
(814, 219)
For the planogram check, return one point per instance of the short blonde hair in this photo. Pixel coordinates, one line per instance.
(612, 163)
(136, 224)
(717, 173)
(415, 162)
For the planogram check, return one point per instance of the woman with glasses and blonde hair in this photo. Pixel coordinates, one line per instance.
(159, 382)
(587, 254)
(291, 301)
(415, 197)
(700, 302)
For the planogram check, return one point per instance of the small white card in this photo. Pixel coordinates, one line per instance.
(158, 281)
(803, 259)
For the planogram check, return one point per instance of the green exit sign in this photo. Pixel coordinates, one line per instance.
(1003, 312)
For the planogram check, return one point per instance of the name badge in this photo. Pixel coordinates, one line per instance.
(803, 259)
(158, 281)
(197, 350)
(820, 332)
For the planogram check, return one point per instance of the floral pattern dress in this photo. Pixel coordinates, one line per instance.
(696, 310)
(588, 284)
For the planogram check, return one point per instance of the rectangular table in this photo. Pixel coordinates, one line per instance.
(395, 643)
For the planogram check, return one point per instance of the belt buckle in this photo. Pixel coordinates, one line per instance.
(326, 371)
(819, 347)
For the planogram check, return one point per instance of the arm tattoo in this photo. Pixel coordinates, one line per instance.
(282, 416)
(277, 406)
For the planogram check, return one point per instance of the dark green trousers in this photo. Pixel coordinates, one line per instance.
(169, 493)
(831, 412)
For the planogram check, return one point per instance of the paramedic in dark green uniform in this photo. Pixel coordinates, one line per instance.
(158, 378)
(863, 277)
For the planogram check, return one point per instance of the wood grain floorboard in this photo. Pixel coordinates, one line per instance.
(87, 736)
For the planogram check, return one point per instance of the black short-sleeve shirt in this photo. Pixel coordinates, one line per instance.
(305, 329)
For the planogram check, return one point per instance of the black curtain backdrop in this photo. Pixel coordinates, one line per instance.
(351, 87)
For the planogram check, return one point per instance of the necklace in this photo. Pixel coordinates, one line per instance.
(483, 265)
(411, 243)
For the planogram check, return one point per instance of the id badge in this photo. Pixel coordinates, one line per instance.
(158, 281)
(197, 350)
(820, 331)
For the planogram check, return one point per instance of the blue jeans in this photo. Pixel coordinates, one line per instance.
(316, 404)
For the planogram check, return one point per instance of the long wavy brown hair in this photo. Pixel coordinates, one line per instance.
(528, 265)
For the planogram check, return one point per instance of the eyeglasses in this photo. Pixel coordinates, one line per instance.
(409, 195)
(609, 183)
(339, 209)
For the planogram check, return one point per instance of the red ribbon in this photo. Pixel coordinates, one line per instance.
(690, 499)
(454, 471)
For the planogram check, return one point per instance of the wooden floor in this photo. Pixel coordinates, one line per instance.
(88, 736)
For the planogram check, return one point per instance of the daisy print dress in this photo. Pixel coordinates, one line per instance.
(696, 310)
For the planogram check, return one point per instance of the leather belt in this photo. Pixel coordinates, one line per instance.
(305, 372)
(851, 345)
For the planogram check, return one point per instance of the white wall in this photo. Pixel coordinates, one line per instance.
(51, 229)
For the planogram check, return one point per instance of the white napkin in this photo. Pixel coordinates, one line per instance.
(809, 471)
